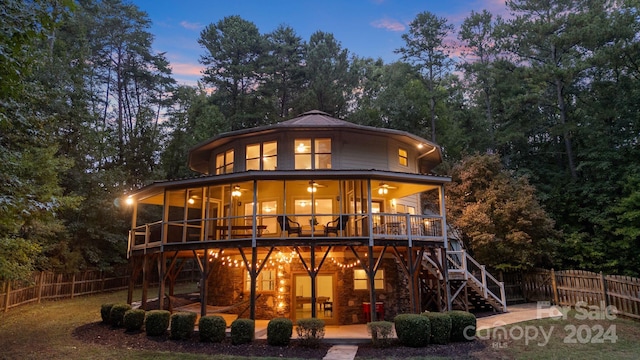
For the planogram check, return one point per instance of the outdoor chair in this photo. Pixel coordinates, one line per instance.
(290, 226)
(339, 224)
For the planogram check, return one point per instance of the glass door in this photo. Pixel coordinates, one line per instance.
(325, 297)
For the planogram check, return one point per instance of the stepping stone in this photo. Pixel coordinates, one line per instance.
(341, 352)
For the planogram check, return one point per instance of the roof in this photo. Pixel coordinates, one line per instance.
(311, 120)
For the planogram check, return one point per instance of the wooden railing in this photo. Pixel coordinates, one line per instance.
(462, 264)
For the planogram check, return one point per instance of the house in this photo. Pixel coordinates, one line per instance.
(310, 217)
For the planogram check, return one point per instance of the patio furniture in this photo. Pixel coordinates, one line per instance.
(290, 226)
(339, 224)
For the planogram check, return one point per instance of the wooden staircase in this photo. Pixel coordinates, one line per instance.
(470, 286)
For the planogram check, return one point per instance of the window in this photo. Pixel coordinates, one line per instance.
(403, 158)
(312, 154)
(262, 156)
(224, 162)
(361, 282)
(266, 281)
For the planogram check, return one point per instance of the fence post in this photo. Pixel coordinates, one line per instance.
(603, 286)
(554, 287)
(40, 285)
(73, 284)
(6, 298)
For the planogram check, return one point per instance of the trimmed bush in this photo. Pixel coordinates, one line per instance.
(182, 325)
(380, 332)
(440, 327)
(279, 331)
(242, 331)
(105, 313)
(116, 315)
(133, 319)
(212, 328)
(156, 322)
(463, 325)
(413, 330)
(310, 331)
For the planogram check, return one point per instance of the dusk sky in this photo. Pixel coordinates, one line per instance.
(367, 28)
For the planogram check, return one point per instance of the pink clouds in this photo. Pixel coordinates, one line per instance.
(388, 24)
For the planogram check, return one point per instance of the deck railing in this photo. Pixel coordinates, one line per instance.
(377, 225)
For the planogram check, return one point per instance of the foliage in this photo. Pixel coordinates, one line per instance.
(116, 314)
(381, 333)
(463, 325)
(182, 325)
(242, 331)
(498, 215)
(310, 331)
(279, 331)
(440, 327)
(105, 312)
(156, 322)
(413, 330)
(133, 319)
(212, 328)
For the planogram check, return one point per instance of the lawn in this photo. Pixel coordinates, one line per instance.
(44, 331)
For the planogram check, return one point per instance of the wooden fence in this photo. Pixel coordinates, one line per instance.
(51, 286)
(570, 287)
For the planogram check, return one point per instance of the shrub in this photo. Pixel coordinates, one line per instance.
(381, 332)
(212, 328)
(242, 331)
(279, 331)
(133, 319)
(310, 331)
(105, 313)
(156, 322)
(440, 327)
(182, 325)
(463, 325)
(116, 315)
(413, 330)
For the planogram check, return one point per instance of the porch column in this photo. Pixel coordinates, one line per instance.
(372, 285)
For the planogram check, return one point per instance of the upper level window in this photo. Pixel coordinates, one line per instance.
(224, 162)
(403, 158)
(263, 156)
(313, 153)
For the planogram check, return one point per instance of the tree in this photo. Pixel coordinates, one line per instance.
(498, 215)
(477, 33)
(233, 67)
(329, 82)
(284, 72)
(29, 166)
(426, 48)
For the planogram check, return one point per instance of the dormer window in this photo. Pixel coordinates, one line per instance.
(313, 154)
(224, 162)
(263, 156)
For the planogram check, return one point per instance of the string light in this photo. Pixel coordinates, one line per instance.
(343, 265)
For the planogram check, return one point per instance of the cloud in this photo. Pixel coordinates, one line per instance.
(191, 26)
(388, 24)
(187, 69)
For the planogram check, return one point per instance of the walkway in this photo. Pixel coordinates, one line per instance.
(347, 337)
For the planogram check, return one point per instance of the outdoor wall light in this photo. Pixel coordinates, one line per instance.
(129, 201)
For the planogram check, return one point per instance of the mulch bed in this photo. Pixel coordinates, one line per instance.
(106, 335)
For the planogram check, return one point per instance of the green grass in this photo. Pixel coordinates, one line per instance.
(44, 331)
(570, 338)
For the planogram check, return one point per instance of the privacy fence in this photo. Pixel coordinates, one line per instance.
(569, 287)
(52, 286)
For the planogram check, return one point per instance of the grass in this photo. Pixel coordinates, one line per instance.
(44, 331)
(573, 337)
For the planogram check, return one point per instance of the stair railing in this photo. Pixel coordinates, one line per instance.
(461, 262)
